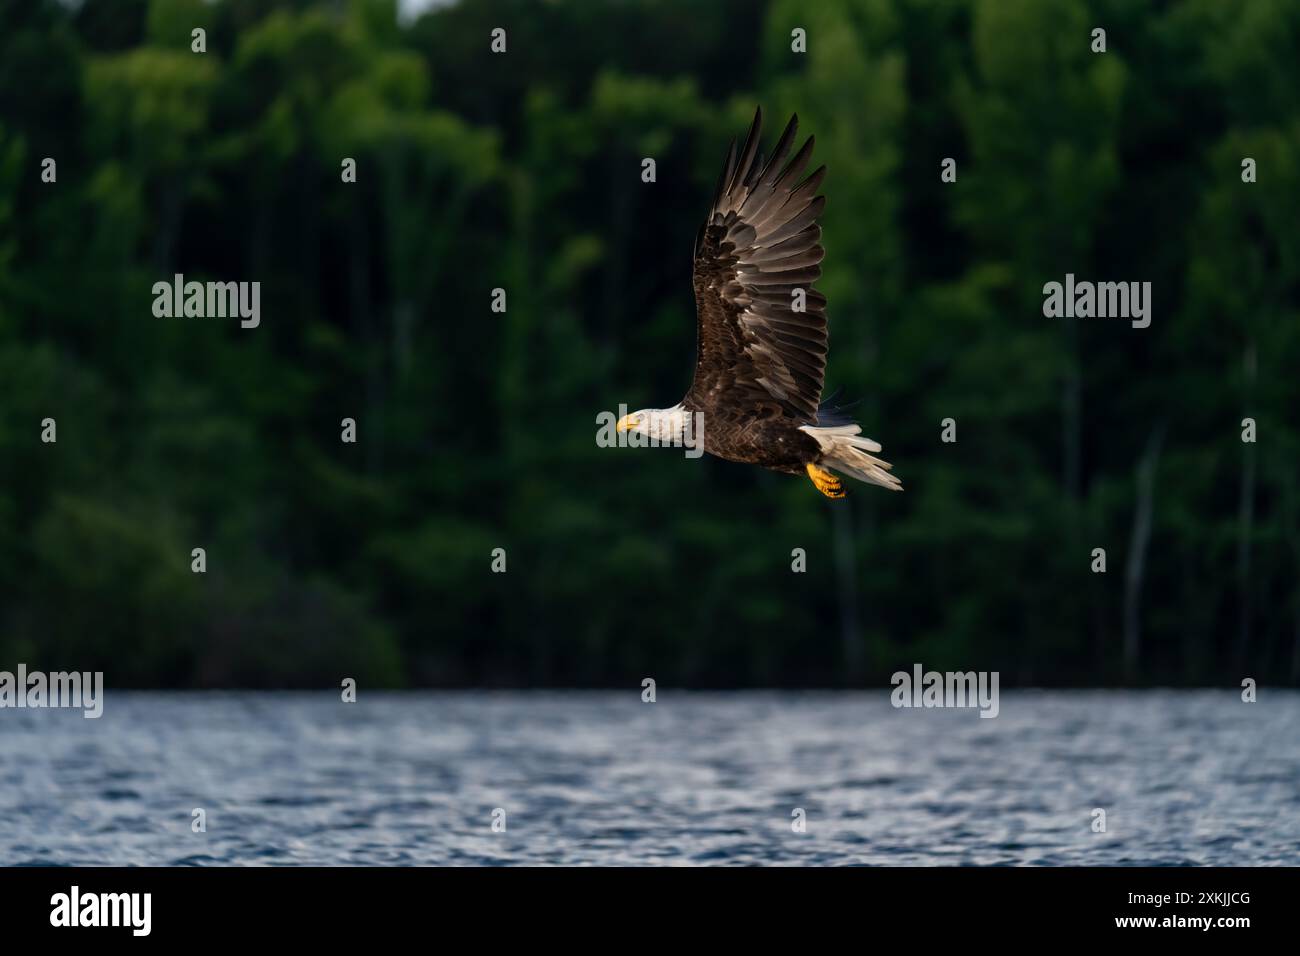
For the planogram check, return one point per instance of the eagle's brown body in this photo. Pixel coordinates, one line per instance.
(766, 438)
(761, 332)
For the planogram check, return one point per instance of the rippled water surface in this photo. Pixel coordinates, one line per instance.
(602, 778)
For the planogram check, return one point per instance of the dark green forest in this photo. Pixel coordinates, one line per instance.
(475, 429)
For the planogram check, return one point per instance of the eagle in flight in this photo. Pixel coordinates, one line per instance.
(761, 329)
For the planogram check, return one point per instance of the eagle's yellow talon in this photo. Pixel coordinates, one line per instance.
(825, 481)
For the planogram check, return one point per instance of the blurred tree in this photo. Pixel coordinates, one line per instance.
(475, 428)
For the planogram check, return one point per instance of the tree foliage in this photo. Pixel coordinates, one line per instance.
(476, 429)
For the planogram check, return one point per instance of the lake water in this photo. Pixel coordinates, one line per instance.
(695, 778)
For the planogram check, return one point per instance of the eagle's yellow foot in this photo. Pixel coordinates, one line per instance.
(825, 481)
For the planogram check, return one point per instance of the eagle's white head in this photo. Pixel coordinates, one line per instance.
(668, 426)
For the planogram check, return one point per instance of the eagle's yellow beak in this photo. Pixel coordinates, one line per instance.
(627, 423)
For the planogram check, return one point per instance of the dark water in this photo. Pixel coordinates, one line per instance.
(602, 778)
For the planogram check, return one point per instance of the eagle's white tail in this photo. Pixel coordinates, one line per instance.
(844, 449)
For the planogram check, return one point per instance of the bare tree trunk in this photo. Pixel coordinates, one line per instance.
(1088, 603)
(1071, 420)
(169, 223)
(1291, 517)
(846, 570)
(844, 525)
(1135, 572)
(1295, 646)
(403, 326)
(359, 294)
(614, 292)
(1246, 520)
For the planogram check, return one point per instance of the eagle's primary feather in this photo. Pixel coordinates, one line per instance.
(755, 354)
(760, 362)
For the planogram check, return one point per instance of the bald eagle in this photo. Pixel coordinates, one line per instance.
(761, 329)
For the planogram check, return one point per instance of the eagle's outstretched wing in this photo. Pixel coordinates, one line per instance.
(755, 354)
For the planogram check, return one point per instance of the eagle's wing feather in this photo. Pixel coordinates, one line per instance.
(755, 355)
